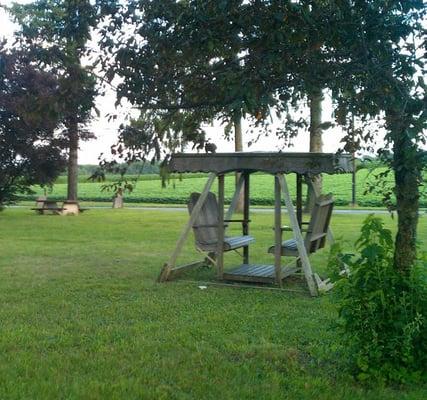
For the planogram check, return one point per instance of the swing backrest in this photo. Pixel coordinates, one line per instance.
(319, 223)
(205, 226)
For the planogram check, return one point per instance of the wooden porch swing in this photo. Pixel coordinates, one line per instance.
(208, 221)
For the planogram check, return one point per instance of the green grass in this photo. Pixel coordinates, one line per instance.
(149, 190)
(81, 317)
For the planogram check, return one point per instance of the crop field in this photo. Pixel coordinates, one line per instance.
(148, 189)
(82, 316)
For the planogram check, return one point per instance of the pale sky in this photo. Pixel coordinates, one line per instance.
(106, 132)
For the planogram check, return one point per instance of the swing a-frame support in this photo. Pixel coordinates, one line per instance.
(278, 164)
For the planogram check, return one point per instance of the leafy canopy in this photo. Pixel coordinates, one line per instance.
(29, 114)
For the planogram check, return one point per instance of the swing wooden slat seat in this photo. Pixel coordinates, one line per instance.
(205, 227)
(261, 273)
(316, 232)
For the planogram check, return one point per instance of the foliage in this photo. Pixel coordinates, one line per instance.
(29, 151)
(383, 314)
(185, 63)
(379, 58)
(338, 260)
(56, 33)
(150, 133)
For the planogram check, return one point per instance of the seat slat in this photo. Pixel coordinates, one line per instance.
(263, 273)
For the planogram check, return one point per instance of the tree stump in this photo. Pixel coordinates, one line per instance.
(70, 207)
(118, 200)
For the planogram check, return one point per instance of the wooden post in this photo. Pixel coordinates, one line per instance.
(238, 147)
(299, 208)
(164, 274)
(220, 245)
(277, 232)
(235, 198)
(245, 225)
(353, 181)
(298, 237)
(299, 199)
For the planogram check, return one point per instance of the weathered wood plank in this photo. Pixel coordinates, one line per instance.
(235, 198)
(182, 268)
(247, 278)
(299, 199)
(298, 237)
(246, 205)
(277, 232)
(302, 163)
(257, 273)
(220, 244)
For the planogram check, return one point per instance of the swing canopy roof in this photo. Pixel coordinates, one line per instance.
(269, 162)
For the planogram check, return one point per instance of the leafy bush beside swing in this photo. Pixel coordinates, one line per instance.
(383, 314)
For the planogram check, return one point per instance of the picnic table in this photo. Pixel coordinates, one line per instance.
(44, 206)
(69, 207)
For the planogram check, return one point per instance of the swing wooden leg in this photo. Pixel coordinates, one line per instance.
(298, 237)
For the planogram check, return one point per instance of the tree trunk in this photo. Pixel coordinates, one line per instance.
(73, 172)
(407, 176)
(238, 146)
(316, 143)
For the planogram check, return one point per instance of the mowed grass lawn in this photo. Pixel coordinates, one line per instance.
(82, 317)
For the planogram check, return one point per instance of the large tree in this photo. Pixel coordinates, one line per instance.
(181, 56)
(58, 32)
(30, 153)
(378, 60)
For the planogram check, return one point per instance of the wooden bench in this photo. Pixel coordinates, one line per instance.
(69, 207)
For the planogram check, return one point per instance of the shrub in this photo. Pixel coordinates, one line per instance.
(383, 315)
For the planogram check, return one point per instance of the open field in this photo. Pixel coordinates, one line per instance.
(81, 317)
(149, 190)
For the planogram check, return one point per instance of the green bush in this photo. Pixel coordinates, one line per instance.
(383, 315)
